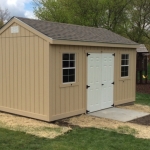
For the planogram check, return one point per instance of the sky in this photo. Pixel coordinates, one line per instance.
(19, 8)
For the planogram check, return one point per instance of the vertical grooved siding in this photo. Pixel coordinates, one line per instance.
(69, 99)
(24, 77)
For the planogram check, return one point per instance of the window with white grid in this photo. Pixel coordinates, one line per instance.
(124, 65)
(68, 67)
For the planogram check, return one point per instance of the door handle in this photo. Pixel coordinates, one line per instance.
(102, 84)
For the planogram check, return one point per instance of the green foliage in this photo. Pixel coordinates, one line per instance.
(77, 139)
(129, 18)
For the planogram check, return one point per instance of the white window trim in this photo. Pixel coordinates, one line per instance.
(69, 68)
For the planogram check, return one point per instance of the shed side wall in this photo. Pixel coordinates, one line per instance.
(72, 100)
(24, 77)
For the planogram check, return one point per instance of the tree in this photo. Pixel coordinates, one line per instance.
(81, 12)
(137, 27)
(129, 18)
(4, 16)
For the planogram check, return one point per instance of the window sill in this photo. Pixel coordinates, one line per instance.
(68, 85)
(124, 78)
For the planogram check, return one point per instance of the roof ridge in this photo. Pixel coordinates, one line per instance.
(61, 23)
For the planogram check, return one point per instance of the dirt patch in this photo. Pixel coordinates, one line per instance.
(31, 126)
(140, 131)
(143, 121)
(143, 88)
(65, 123)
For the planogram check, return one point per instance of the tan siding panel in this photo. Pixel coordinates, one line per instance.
(32, 74)
(7, 73)
(19, 74)
(57, 74)
(41, 75)
(24, 78)
(1, 77)
(23, 73)
(37, 109)
(4, 71)
(15, 74)
(27, 76)
(46, 79)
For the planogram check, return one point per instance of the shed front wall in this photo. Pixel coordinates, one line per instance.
(24, 73)
(68, 100)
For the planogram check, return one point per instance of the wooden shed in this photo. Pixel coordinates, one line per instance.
(50, 70)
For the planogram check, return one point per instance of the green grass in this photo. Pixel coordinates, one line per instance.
(143, 99)
(77, 139)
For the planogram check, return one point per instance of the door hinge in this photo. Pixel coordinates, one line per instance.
(88, 54)
(113, 83)
(113, 54)
(87, 111)
(87, 86)
(113, 105)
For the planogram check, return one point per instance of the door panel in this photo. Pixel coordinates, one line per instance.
(107, 80)
(100, 79)
(94, 81)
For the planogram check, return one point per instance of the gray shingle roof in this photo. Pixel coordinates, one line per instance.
(62, 31)
(142, 49)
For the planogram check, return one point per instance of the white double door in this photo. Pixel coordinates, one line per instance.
(100, 81)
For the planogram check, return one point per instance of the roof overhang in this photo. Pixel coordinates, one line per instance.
(80, 43)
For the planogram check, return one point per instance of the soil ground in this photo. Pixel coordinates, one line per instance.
(143, 121)
(143, 88)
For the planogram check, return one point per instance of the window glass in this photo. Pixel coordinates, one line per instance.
(68, 68)
(125, 65)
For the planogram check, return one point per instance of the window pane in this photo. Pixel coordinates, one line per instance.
(71, 71)
(127, 62)
(72, 63)
(122, 69)
(72, 56)
(65, 79)
(126, 68)
(72, 78)
(65, 64)
(123, 62)
(122, 74)
(127, 56)
(123, 56)
(65, 72)
(65, 56)
(126, 74)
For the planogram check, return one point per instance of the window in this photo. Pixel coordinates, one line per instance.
(124, 65)
(68, 65)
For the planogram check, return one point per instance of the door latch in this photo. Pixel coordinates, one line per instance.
(87, 86)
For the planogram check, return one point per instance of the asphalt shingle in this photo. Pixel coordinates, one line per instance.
(63, 31)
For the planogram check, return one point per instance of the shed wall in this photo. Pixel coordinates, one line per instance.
(69, 100)
(24, 77)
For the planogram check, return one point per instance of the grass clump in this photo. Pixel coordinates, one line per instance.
(143, 99)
